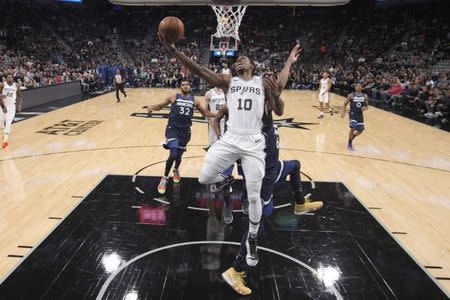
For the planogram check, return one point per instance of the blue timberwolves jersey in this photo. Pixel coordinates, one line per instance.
(356, 106)
(181, 111)
(272, 140)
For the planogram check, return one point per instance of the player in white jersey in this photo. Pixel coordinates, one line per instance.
(215, 99)
(324, 93)
(244, 140)
(10, 92)
(225, 70)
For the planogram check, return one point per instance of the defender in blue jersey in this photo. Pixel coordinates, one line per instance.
(178, 130)
(359, 102)
(283, 169)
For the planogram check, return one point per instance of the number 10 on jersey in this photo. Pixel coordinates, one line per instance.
(247, 104)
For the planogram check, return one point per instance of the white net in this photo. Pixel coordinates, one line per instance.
(228, 19)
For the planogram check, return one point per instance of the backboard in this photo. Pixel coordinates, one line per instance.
(233, 2)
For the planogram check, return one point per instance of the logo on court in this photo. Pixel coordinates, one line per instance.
(70, 127)
(288, 122)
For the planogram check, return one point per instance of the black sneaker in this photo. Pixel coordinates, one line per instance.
(228, 215)
(252, 253)
(217, 187)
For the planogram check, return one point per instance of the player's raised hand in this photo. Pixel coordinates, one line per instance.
(295, 53)
(165, 42)
(271, 85)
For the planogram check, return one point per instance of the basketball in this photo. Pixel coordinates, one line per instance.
(172, 28)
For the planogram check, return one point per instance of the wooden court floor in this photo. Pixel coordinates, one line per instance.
(400, 168)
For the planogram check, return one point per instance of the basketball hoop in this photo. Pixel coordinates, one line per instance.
(229, 19)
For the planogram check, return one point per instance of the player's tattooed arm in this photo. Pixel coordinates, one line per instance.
(220, 80)
(203, 110)
(347, 100)
(274, 101)
(223, 111)
(155, 107)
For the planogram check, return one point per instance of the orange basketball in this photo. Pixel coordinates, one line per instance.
(172, 28)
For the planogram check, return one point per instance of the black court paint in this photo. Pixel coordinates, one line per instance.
(342, 242)
(70, 127)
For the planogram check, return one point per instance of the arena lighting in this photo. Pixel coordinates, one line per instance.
(111, 262)
(132, 295)
(248, 2)
(329, 275)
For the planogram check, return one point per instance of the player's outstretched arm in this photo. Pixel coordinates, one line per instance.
(223, 111)
(220, 80)
(349, 97)
(284, 75)
(201, 106)
(155, 107)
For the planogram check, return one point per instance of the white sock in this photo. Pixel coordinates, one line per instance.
(5, 137)
(253, 228)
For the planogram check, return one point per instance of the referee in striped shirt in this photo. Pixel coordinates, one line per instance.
(120, 84)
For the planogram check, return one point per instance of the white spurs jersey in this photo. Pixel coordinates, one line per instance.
(10, 92)
(216, 100)
(246, 105)
(323, 85)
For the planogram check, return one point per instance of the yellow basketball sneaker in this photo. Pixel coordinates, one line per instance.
(236, 281)
(309, 205)
(162, 185)
(176, 176)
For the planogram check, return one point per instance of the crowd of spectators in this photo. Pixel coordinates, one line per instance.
(395, 52)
